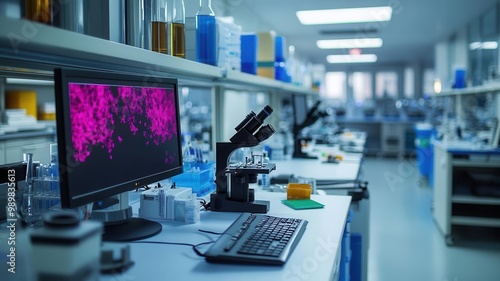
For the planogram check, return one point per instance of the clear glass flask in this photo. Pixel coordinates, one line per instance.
(28, 208)
(39, 10)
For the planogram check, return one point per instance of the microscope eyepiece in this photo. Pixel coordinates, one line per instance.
(256, 120)
(252, 127)
(245, 121)
(264, 113)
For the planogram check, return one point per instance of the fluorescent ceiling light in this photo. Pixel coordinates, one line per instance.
(349, 43)
(489, 45)
(23, 81)
(351, 58)
(337, 16)
(475, 45)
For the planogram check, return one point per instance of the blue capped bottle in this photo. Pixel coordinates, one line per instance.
(206, 51)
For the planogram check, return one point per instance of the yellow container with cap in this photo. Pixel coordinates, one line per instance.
(22, 99)
(296, 191)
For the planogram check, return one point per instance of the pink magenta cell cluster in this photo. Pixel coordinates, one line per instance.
(93, 109)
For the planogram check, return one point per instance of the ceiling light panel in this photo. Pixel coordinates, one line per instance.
(339, 16)
(350, 43)
(351, 58)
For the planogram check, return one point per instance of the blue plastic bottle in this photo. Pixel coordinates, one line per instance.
(206, 51)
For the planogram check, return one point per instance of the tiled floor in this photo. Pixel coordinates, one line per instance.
(405, 243)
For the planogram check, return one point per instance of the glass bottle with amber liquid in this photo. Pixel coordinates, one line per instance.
(177, 37)
(159, 36)
(39, 10)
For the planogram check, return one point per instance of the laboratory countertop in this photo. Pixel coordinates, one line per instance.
(458, 147)
(346, 169)
(316, 256)
(380, 119)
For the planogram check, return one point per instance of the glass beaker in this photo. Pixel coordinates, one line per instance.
(39, 10)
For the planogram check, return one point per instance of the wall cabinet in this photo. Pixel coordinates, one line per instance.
(466, 187)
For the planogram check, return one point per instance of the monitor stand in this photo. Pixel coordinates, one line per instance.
(119, 225)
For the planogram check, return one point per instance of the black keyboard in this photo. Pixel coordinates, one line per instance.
(259, 239)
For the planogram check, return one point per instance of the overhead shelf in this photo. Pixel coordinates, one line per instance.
(31, 49)
(252, 81)
(468, 199)
(492, 87)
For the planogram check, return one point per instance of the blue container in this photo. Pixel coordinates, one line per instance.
(356, 263)
(460, 79)
(280, 72)
(279, 48)
(249, 43)
(200, 178)
(206, 44)
(425, 158)
(345, 256)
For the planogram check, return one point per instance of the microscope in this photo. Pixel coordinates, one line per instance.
(232, 192)
(312, 116)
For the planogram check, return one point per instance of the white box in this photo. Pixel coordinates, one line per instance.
(158, 203)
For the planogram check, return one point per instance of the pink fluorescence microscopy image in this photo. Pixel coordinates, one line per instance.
(92, 108)
(148, 113)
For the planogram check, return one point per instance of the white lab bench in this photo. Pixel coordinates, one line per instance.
(316, 256)
(337, 179)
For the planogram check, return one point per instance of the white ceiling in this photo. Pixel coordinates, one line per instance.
(409, 37)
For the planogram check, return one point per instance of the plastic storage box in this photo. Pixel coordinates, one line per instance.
(298, 191)
(198, 176)
(249, 44)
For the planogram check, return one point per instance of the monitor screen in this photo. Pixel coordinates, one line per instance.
(115, 133)
(299, 109)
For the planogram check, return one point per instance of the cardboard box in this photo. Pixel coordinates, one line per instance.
(266, 54)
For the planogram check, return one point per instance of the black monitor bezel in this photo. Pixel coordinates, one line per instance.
(296, 106)
(61, 79)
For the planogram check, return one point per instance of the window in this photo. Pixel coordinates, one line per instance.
(362, 86)
(386, 84)
(428, 82)
(409, 83)
(336, 85)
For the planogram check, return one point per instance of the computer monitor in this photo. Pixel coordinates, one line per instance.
(300, 109)
(303, 117)
(495, 138)
(115, 133)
